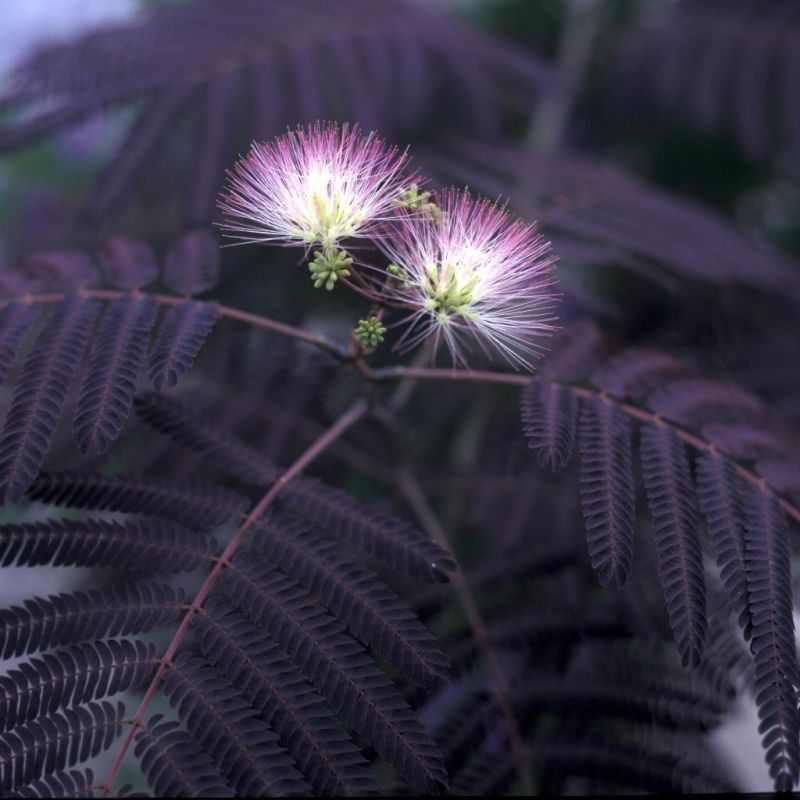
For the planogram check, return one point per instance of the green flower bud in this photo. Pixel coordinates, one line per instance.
(328, 266)
(415, 200)
(369, 331)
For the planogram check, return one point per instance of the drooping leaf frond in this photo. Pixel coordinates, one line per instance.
(680, 566)
(192, 263)
(179, 339)
(152, 546)
(76, 674)
(113, 374)
(693, 402)
(72, 783)
(549, 419)
(636, 372)
(40, 394)
(377, 533)
(630, 716)
(338, 668)
(115, 353)
(377, 617)
(724, 66)
(65, 619)
(243, 749)
(127, 262)
(193, 504)
(284, 699)
(356, 61)
(777, 675)
(169, 416)
(745, 519)
(380, 535)
(56, 742)
(720, 498)
(16, 319)
(595, 213)
(607, 489)
(176, 764)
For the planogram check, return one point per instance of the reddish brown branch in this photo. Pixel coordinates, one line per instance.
(226, 311)
(346, 421)
(642, 415)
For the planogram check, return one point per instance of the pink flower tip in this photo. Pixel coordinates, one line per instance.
(472, 272)
(315, 185)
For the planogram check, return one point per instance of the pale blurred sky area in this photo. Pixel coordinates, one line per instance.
(26, 23)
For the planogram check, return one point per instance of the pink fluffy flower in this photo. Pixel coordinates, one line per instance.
(314, 186)
(472, 271)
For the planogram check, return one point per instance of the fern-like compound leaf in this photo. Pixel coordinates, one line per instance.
(719, 495)
(549, 419)
(194, 504)
(180, 337)
(286, 62)
(243, 748)
(354, 594)
(175, 764)
(139, 144)
(601, 698)
(379, 534)
(607, 489)
(284, 699)
(777, 675)
(782, 476)
(636, 372)
(40, 394)
(53, 743)
(212, 145)
(115, 364)
(69, 618)
(575, 350)
(670, 496)
(58, 270)
(72, 783)
(16, 319)
(76, 674)
(693, 402)
(152, 546)
(219, 448)
(747, 441)
(338, 667)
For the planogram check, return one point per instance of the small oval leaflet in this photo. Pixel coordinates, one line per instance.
(192, 263)
(127, 262)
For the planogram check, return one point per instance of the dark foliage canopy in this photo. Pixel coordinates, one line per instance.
(290, 565)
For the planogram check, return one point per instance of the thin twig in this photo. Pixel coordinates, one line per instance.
(173, 300)
(344, 423)
(412, 491)
(428, 373)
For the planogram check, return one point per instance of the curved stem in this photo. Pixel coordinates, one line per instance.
(226, 311)
(640, 414)
(346, 421)
(423, 373)
(410, 488)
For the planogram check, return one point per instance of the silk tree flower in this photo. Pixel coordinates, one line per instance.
(314, 186)
(472, 271)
